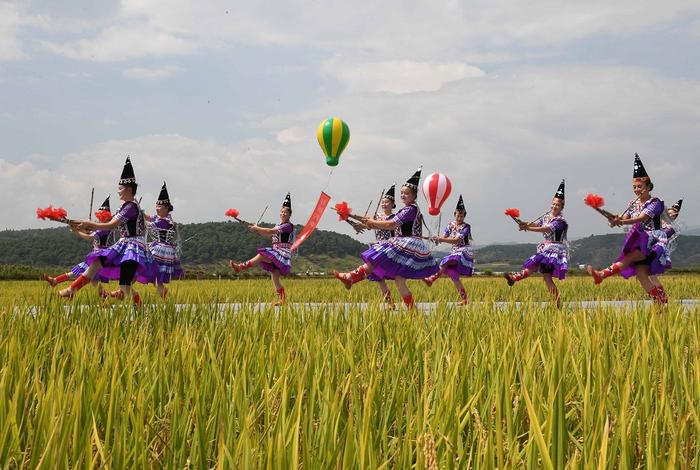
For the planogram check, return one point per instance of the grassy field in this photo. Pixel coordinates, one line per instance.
(477, 387)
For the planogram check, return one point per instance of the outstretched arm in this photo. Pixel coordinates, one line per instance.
(89, 225)
(262, 230)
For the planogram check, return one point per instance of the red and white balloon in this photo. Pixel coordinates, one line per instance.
(436, 189)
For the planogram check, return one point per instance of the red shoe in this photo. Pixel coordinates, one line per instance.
(75, 286)
(137, 299)
(238, 267)
(165, 293)
(104, 295)
(431, 279)
(117, 294)
(344, 278)
(51, 280)
(596, 275)
(281, 297)
(509, 279)
(463, 297)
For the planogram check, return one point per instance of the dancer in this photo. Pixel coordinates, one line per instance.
(388, 203)
(460, 262)
(128, 258)
(404, 256)
(552, 257)
(278, 259)
(99, 239)
(645, 251)
(165, 247)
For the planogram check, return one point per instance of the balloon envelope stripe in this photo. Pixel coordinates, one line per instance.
(344, 138)
(327, 137)
(336, 135)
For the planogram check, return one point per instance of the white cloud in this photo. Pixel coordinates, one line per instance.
(391, 30)
(13, 18)
(398, 76)
(123, 42)
(151, 73)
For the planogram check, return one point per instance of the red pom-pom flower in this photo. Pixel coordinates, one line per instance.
(232, 213)
(513, 212)
(594, 200)
(52, 213)
(103, 216)
(343, 210)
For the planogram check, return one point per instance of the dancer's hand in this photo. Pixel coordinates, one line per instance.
(615, 221)
(86, 226)
(522, 226)
(436, 240)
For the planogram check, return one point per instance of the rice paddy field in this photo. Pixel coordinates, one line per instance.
(191, 383)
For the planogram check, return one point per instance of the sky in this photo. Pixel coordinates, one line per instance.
(222, 100)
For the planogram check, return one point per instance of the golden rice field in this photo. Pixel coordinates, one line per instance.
(185, 384)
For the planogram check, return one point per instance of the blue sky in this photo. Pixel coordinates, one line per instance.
(222, 100)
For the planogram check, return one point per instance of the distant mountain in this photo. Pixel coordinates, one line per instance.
(597, 250)
(206, 244)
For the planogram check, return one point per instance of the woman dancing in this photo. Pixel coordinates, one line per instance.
(405, 255)
(645, 250)
(165, 245)
(460, 262)
(128, 258)
(277, 260)
(552, 257)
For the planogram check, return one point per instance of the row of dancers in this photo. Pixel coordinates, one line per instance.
(400, 251)
(130, 257)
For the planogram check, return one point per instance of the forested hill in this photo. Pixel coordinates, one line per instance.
(214, 243)
(204, 244)
(598, 250)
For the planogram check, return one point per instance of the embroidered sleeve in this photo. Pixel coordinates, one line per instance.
(653, 208)
(285, 228)
(406, 214)
(447, 231)
(556, 225)
(127, 212)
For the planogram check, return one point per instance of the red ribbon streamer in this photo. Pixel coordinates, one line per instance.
(315, 218)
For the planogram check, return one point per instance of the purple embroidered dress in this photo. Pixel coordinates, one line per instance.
(380, 236)
(164, 249)
(279, 256)
(100, 240)
(406, 254)
(130, 247)
(552, 255)
(648, 237)
(460, 262)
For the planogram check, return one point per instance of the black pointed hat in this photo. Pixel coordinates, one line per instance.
(391, 194)
(163, 197)
(413, 181)
(105, 205)
(639, 171)
(460, 205)
(678, 205)
(287, 201)
(560, 191)
(127, 173)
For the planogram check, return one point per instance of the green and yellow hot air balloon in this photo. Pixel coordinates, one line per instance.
(333, 136)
